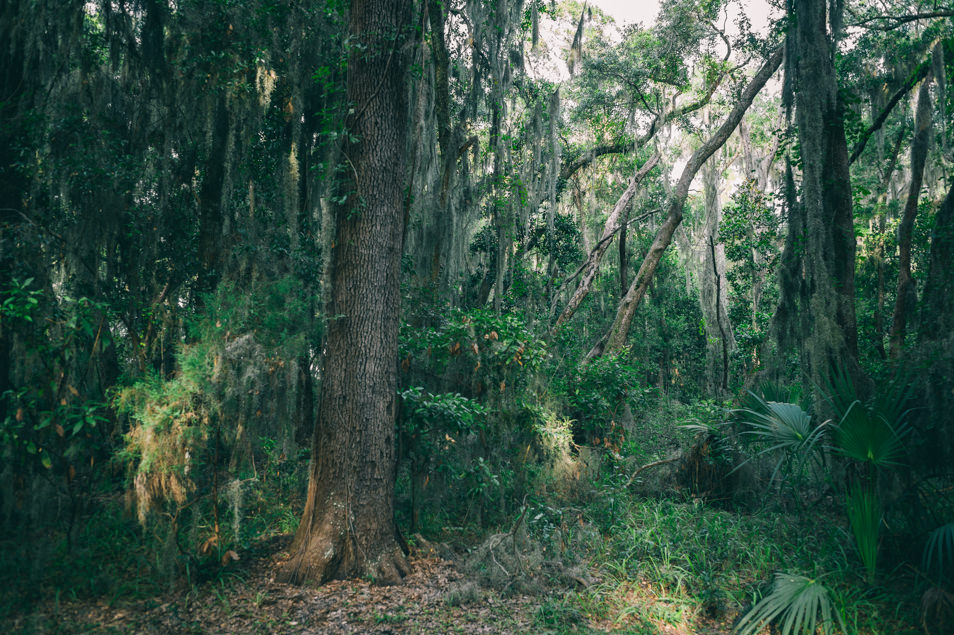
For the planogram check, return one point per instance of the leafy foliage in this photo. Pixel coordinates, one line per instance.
(864, 515)
(939, 551)
(600, 391)
(750, 232)
(796, 604)
(784, 429)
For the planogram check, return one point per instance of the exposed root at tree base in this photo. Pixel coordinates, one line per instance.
(334, 555)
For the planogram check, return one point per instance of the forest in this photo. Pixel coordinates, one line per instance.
(476, 316)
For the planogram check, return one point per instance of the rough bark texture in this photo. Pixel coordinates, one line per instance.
(616, 337)
(937, 339)
(613, 224)
(819, 261)
(210, 200)
(907, 295)
(348, 528)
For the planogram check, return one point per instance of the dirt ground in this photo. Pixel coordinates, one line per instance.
(435, 598)
(251, 601)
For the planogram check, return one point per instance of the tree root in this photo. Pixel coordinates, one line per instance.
(335, 554)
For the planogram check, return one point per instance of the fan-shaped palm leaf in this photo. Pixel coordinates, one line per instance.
(796, 604)
(781, 427)
(866, 436)
(939, 550)
(869, 431)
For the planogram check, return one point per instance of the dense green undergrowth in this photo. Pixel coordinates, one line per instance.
(634, 506)
(623, 503)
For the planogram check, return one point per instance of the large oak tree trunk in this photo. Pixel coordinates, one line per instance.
(937, 339)
(616, 337)
(347, 528)
(819, 293)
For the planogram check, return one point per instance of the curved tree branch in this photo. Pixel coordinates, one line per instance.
(618, 332)
(919, 73)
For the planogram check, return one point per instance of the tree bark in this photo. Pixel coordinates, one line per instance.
(612, 225)
(907, 295)
(616, 337)
(819, 263)
(713, 288)
(936, 335)
(210, 201)
(347, 528)
(623, 256)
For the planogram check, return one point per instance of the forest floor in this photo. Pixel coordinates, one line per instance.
(249, 600)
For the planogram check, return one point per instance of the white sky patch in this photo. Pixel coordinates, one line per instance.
(630, 11)
(761, 16)
(645, 11)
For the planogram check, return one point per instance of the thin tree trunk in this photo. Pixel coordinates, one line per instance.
(623, 256)
(907, 295)
(726, 340)
(501, 213)
(879, 254)
(347, 528)
(616, 337)
(713, 295)
(595, 257)
(210, 200)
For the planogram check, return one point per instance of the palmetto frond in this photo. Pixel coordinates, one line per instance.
(939, 550)
(796, 605)
(870, 431)
(866, 436)
(781, 427)
(864, 514)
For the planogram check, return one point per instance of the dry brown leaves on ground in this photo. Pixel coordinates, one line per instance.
(250, 601)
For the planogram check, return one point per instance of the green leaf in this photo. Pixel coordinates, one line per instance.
(783, 428)
(865, 436)
(939, 550)
(864, 515)
(45, 460)
(796, 605)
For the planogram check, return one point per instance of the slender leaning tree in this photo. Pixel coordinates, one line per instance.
(347, 529)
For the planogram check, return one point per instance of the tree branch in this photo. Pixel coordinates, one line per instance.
(618, 332)
(896, 21)
(920, 73)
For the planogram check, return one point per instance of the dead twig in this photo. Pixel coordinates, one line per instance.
(647, 466)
